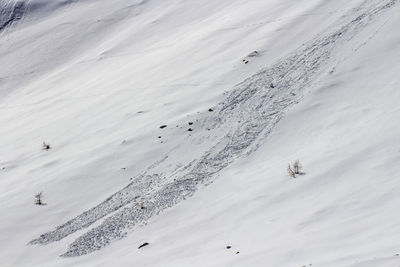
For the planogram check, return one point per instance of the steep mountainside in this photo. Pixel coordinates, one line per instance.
(172, 123)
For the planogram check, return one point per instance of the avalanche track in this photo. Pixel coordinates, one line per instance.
(239, 125)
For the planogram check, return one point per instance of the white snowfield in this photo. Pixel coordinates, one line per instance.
(242, 89)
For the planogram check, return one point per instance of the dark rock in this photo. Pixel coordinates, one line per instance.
(190, 123)
(143, 245)
(190, 129)
(159, 136)
(163, 126)
(237, 252)
(228, 247)
(210, 110)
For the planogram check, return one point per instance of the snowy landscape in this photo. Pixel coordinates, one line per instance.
(167, 133)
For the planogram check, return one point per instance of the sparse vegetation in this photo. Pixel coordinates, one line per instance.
(39, 199)
(294, 169)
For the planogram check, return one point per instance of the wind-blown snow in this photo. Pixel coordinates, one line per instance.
(98, 92)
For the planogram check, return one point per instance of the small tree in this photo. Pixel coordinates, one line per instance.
(294, 169)
(38, 198)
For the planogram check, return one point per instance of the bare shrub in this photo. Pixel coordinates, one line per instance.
(297, 167)
(294, 169)
(39, 199)
(290, 171)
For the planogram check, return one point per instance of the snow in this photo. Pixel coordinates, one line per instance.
(96, 79)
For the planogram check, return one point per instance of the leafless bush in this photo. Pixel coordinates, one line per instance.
(290, 171)
(294, 169)
(39, 199)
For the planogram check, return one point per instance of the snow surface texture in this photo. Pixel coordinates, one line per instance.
(239, 126)
(248, 115)
(10, 12)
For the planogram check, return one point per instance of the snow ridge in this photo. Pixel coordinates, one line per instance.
(242, 122)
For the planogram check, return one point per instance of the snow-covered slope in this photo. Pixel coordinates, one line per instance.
(96, 79)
